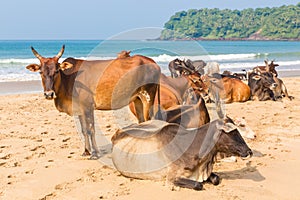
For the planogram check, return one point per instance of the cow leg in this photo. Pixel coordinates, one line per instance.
(92, 134)
(147, 96)
(284, 90)
(88, 129)
(214, 179)
(187, 183)
(87, 147)
(139, 109)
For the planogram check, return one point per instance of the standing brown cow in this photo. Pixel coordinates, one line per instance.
(78, 87)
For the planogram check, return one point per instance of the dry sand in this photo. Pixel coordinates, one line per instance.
(40, 155)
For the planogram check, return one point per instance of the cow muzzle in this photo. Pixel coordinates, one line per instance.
(49, 94)
(247, 155)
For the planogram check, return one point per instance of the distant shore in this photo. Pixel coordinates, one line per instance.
(226, 39)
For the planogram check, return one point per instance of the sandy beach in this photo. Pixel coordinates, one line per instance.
(40, 154)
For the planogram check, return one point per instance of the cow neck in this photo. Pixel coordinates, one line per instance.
(63, 88)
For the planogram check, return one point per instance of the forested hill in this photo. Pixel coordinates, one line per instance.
(257, 24)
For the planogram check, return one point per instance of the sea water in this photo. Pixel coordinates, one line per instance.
(232, 55)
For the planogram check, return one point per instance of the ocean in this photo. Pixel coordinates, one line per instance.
(232, 55)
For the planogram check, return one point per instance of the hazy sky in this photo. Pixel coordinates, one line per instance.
(100, 19)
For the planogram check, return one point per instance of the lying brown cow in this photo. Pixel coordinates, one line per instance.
(229, 89)
(159, 150)
(78, 87)
(173, 91)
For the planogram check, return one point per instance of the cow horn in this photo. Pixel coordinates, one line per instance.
(60, 53)
(36, 53)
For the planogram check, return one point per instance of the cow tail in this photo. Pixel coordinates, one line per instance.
(159, 113)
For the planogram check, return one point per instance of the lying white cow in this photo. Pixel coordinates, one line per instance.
(166, 151)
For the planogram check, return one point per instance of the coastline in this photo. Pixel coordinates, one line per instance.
(20, 87)
(228, 39)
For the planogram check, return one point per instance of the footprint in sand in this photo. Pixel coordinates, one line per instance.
(29, 171)
(37, 147)
(6, 157)
(65, 140)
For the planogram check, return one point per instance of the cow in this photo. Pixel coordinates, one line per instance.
(229, 89)
(79, 86)
(212, 68)
(159, 150)
(262, 86)
(199, 66)
(173, 91)
(267, 68)
(178, 67)
(241, 76)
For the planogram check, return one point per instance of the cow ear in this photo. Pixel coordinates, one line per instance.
(256, 77)
(227, 127)
(34, 67)
(66, 65)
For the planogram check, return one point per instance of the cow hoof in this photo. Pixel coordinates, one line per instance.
(95, 156)
(198, 186)
(187, 183)
(86, 153)
(214, 179)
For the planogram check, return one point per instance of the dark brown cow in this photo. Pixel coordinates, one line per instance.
(262, 86)
(158, 150)
(229, 89)
(179, 67)
(78, 87)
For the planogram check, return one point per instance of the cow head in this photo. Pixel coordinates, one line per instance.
(49, 70)
(230, 141)
(265, 80)
(198, 85)
(271, 67)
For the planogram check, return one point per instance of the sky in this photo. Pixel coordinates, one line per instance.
(100, 19)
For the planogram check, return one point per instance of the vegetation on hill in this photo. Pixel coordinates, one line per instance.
(260, 23)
